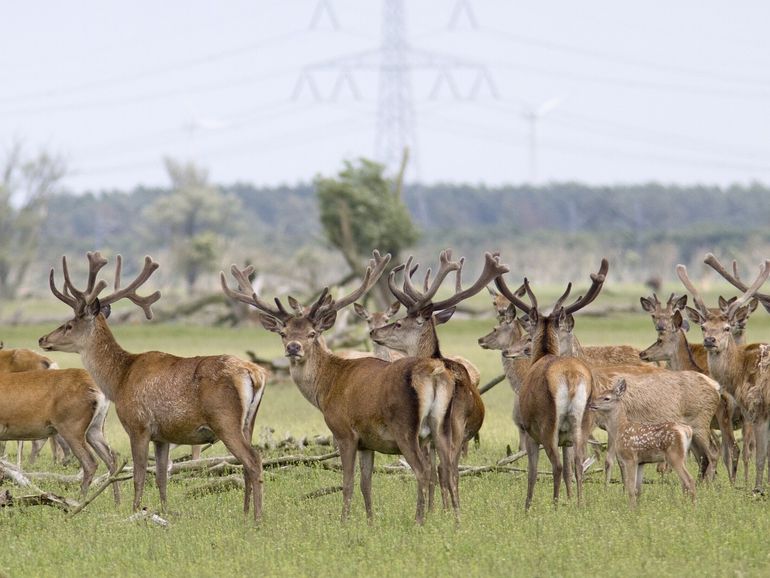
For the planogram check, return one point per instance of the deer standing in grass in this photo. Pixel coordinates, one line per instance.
(35, 405)
(553, 400)
(638, 443)
(415, 336)
(737, 367)
(673, 348)
(16, 360)
(370, 405)
(161, 398)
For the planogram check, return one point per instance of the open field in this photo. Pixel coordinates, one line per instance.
(724, 534)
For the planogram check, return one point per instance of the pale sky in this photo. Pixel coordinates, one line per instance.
(677, 92)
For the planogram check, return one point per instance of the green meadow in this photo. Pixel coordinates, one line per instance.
(723, 534)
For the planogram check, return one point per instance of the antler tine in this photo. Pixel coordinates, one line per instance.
(374, 271)
(681, 272)
(502, 286)
(735, 270)
(560, 301)
(426, 283)
(764, 271)
(530, 294)
(68, 286)
(299, 309)
(734, 280)
(68, 299)
(597, 282)
(95, 264)
(129, 292)
(241, 294)
(402, 297)
(118, 271)
(492, 270)
(324, 300)
(459, 277)
(410, 270)
(445, 268)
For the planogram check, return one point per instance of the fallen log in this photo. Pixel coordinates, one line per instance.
(42, 499)
(322, 492)
(217, 486)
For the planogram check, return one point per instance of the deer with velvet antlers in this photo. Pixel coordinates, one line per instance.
(370, 405)
(415, 336)
(553, 400)
(161, 398)
(739, 368)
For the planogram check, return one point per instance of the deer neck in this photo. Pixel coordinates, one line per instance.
(727, 366)
(683, 358)
(105, 360)
(381, 352)
(615, 421)
(427, 345)
(573, 347)
(515, 370)
(546, 340)
(311, 375)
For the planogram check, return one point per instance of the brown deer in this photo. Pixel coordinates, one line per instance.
(15, 360)
(595, 355)
(368, 404)
(553, 399)
(161, 398)
(375, 320)
(673, 348)
(504, 337)
(638, 443)
(38, 404)
(415, 336)
(737, 367)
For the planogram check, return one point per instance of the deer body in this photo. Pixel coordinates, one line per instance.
(638, 443)
(162, 398)
(595, 355)
(38, 404)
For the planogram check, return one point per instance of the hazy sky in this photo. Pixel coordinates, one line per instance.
(668, 91)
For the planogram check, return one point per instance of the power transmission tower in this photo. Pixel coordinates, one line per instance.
(395, 60)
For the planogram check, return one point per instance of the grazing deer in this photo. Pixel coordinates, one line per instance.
(737, 367)
(375, 320)
(15, 360)
(415, 336)
(161, 398)
(369, 405)
(553, 399)
(638, 443)
(38, 404)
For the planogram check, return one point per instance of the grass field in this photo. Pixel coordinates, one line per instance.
(723, 534)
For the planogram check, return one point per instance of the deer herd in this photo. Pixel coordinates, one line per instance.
(408, 397)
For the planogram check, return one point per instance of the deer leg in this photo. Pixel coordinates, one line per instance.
(443, 442)
(748, 449)
(95, 438)
(677, 461)
(161, 471)
(701, 446)
(552, 452)
(348, 457)
(65, 449)
(366, 463)
(724, 419)
(415, 457)
(533, 456)
(579, 457)
(19, 452)
(629, 481)
(77, 443)
(760, 450)
(140, 445)
(37, 445)
(568, 457)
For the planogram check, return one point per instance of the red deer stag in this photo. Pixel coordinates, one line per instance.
(161, 398)
(415, 336)
(369, 405)
(553, 400)
(642, 443)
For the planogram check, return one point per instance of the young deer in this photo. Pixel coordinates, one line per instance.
(638, 443)
(161, 398)
(415, 336)
(38, 404)
(368, 404)
(552, 403)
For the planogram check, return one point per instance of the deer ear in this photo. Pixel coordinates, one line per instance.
(444, 316)
(723, 303)
(326, 321)
(753, 304)
(106, 310)
(533, 316)
(510, 313)
(681, 303)
(271, 323)
(676, 319)
(393, 309)
(425, 313)
(620, 388)
(741, 314)
(647, 304)
(569, 322)
(695, 315)
(94, 308)
(361, 311)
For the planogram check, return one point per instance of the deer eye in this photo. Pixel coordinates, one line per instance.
(726, 328)
(312, 334)
(282, 333)
(398, 325)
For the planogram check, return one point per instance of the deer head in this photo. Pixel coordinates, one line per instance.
(417, 330)
(88, 307)
(545, 338)
(302, 329)
(717, 324)
(665, 347)
(609, 403)
(376, 319)
(508, 331)
(662, 316)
